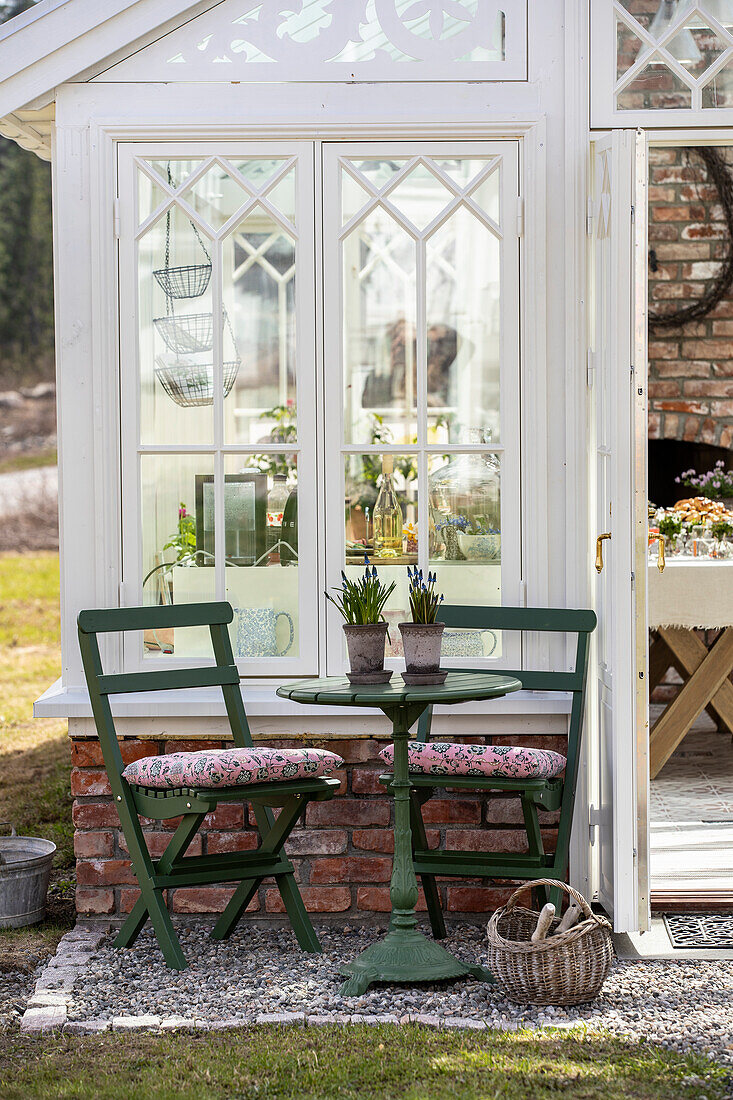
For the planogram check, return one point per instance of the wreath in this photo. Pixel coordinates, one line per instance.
(719, 175)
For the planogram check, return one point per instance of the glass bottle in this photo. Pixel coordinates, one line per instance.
(387, 517)
(277, 498)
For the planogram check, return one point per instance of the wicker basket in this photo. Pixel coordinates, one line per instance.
(564, 969)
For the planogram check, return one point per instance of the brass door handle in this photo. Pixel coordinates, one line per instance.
(599, 550)
(660, 553)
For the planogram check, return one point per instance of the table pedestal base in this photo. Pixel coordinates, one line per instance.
(405, 955)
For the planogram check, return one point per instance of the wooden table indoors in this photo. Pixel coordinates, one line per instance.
(404, 954)
(690, 594)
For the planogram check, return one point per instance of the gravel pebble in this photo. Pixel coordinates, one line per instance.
(260, 972)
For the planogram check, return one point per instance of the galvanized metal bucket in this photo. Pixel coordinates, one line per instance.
(25, 867)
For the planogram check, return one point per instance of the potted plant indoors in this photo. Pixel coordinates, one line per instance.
(422, 638)
(362, 604)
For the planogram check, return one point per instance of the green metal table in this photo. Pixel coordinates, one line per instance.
(405, 954)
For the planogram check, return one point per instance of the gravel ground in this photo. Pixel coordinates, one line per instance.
(16, 987)
(685, 1006)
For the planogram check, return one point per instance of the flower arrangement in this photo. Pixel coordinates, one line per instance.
(713, 484)
(424, 600)
(362, 602)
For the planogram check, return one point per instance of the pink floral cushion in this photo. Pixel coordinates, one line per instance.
(502, 761)
(230, 767)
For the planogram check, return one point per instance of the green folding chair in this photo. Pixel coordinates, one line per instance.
(556, 793)
(193, 802)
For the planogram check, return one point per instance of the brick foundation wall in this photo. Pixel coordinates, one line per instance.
(690, 367)
(343, 858)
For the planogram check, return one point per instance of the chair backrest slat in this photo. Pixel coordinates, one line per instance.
(157, 617)
(169, 679)
(555, 619)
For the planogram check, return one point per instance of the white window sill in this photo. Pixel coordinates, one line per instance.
(261, 701)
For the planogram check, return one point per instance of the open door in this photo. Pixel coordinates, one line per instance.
(617, 377)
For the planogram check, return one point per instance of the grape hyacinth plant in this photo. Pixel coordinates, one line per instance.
(424, 600)
(713, 484)
(362, 602)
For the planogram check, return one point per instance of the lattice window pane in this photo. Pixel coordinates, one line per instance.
(670, 54)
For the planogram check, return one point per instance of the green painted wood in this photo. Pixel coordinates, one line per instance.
(113, 619)
(455, 864)
(460, 686)
(558, 620)
(429, 885)
(547, 795)
(174, 868)
(478, 782)
(404, 954)
(169, 679)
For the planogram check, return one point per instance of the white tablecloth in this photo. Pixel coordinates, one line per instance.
(691, 593)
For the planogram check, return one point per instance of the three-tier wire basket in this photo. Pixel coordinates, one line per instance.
(188, 376)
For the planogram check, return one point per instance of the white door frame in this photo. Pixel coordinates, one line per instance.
(659, 138)
(618, 780)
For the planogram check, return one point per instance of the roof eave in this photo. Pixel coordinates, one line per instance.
(58, 39)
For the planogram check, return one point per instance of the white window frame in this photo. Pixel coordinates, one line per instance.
(604, 85)
(307, 660)
(434, 118)
(508, 447)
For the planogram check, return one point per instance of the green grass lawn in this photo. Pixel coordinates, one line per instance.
(24, 461)
(34, 752)
(371, 1063)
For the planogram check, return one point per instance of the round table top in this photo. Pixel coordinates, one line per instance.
(459, 687)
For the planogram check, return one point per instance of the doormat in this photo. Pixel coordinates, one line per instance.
(699, 929)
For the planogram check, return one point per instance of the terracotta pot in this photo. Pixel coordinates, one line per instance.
(422, 642)
(366, 653)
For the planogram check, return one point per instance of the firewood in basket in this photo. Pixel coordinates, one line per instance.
(571, 916)
(543, 922)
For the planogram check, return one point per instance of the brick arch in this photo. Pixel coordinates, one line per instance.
(691, 367)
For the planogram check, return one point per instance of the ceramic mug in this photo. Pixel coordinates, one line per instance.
(257, 632)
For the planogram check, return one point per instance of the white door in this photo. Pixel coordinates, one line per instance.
(617, 373)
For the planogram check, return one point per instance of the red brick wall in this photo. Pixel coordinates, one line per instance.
(343, 857)
(691, 367)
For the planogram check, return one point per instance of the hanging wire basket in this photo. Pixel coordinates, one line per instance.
(188, 334)
(189, 281)
(191, 384)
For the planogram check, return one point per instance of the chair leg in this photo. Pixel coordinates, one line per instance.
(165, 933)
(133, 926)
(429, 885)
(274, 833)
(540, 894)
(305, 933)
(235, 908)
(180, 841)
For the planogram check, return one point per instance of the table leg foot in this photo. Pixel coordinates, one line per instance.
(482, 973)
(405, 955)
(357, 984)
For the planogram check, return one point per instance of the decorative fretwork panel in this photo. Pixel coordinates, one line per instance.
(664, 57)
(268, 40)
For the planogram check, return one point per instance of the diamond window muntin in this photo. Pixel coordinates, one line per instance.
(395, 188)
(692, 48)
